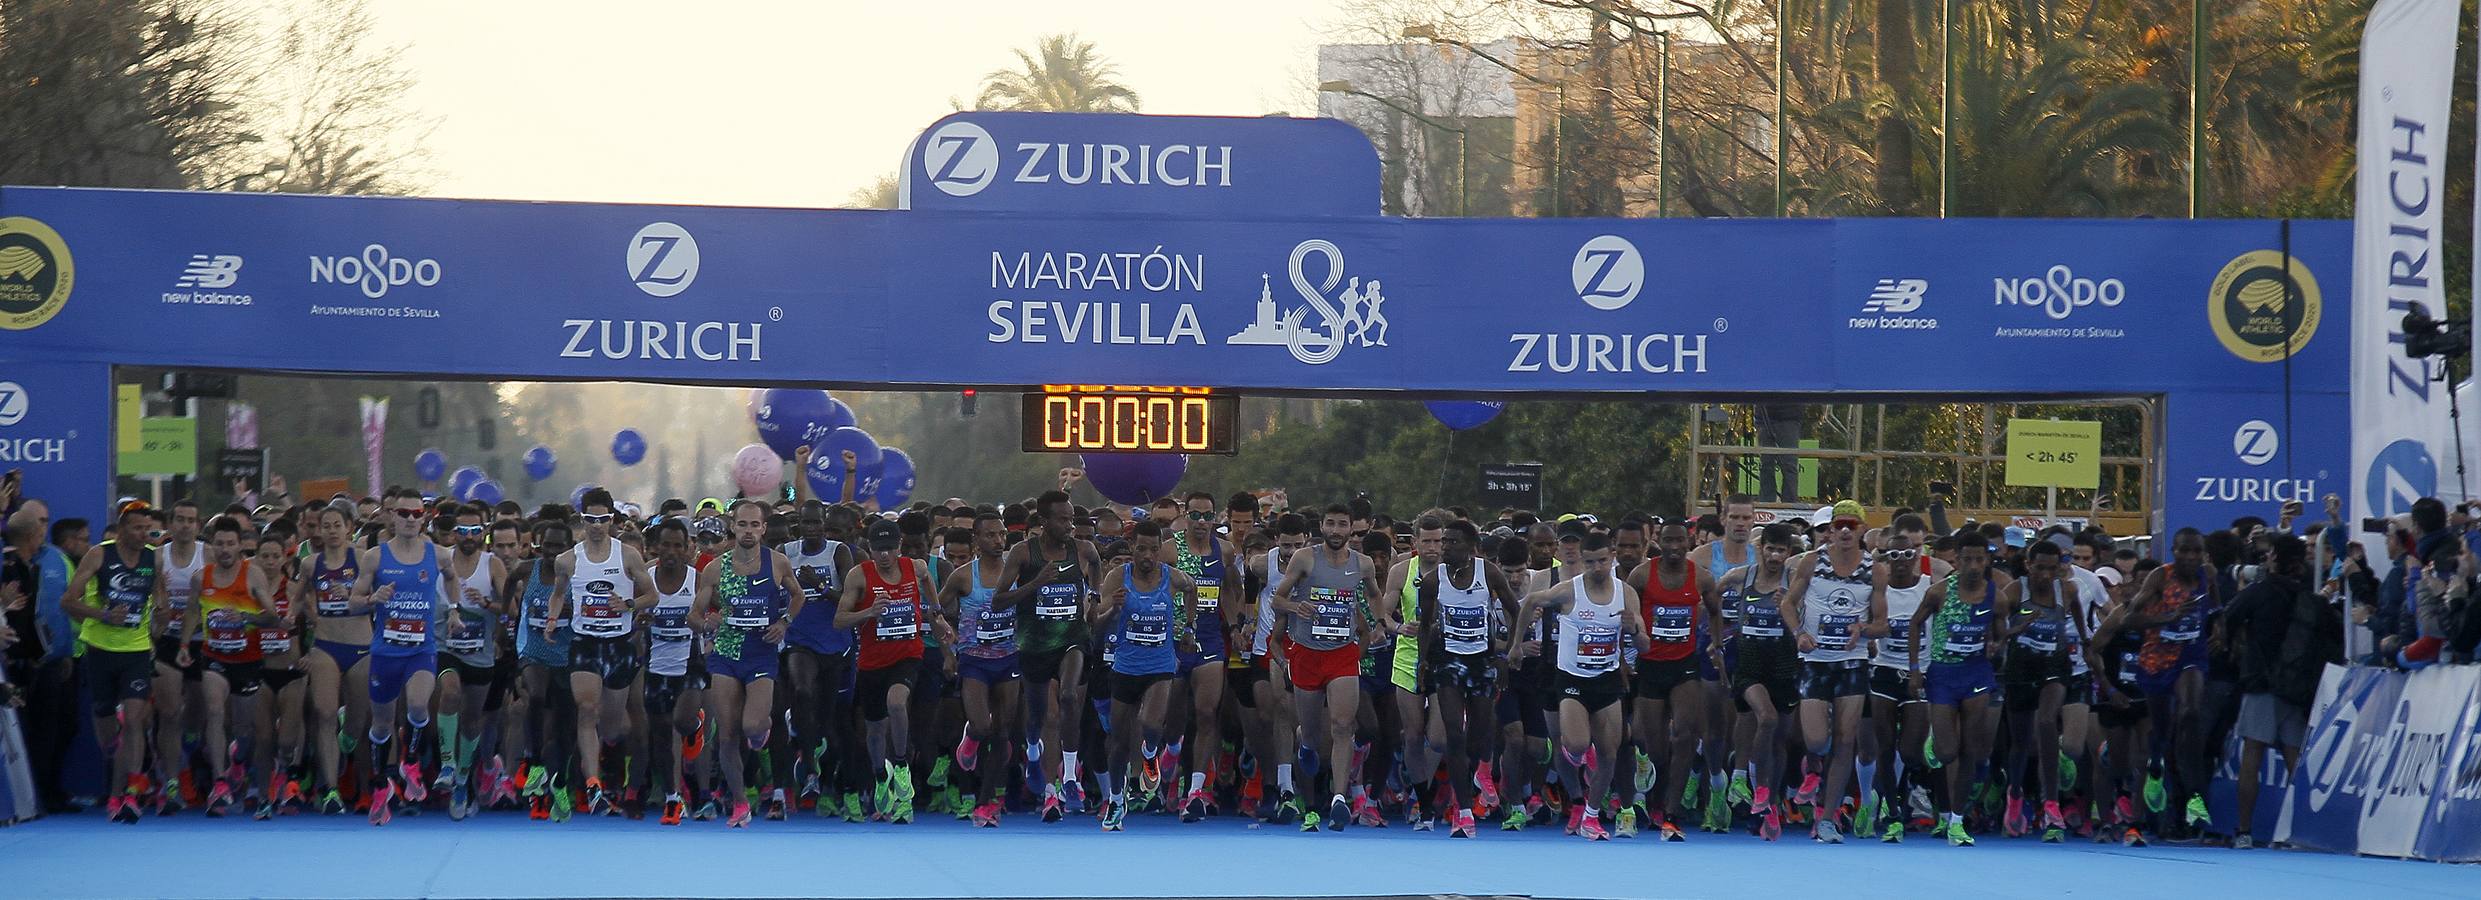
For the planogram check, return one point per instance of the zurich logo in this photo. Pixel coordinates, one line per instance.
(2402, 472)
(1607, 272)
(2255, 442)
(960, 158)
(663, 259)
(13, 403)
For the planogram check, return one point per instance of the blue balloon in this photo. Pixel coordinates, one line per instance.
(540, 462)
(789, 419)
(628, 447)
(1135, 479)
(464, 480)
(430, 464)
(1459, 415)
(895, 478)
(577, 498)
(840, 416)
(485, 491)
(826, 469)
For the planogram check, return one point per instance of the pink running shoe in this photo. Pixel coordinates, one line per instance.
(1807, 793)
(1464, 824)
(1761, 801)
(2051, 816)
(2123, 811)
(1770, 826)
(2014, 822)
(1576, 817)
(380, 801)
(740, 815)
(1488, 785)
(414, 791)
(968, 752)
(1592, 829)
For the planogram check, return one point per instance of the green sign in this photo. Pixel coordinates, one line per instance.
(167, 445)
(2053, 453)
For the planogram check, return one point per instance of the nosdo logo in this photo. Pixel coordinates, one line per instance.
(2402, 472)
(663, 259)
(1607, 272)
(960, 159)
(2255, 442)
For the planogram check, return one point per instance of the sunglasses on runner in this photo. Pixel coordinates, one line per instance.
(472, 529)
(407, 513)
(1195, 516)
(1907, 553)
(594, 518)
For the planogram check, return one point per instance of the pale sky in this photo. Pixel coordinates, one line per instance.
(773, 103)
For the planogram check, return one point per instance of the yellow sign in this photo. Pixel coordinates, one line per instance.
(129, 405)
(167, 445)
(36, 273)
(2052, 453)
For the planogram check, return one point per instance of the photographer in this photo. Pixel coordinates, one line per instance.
(2281, 634)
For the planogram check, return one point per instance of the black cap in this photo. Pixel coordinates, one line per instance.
(884, 535)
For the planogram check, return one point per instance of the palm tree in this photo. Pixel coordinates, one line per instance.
(1062, 74)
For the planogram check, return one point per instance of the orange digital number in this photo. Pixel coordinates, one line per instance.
(1195, 413)
(1059, 418)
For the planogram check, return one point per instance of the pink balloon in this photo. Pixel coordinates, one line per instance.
(756, 471)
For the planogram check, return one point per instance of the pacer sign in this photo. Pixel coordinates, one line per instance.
(1152, 165)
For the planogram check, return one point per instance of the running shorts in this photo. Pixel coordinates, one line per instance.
(1656, 677)
(1594, 693)
(870, 686)
(614, 659)
(1313, 670)
(1830, 681)
(1892, 684)
(1951, 683)
(112, 677)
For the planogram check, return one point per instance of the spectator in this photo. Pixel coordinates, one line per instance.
(2282, 635)
(32, 576)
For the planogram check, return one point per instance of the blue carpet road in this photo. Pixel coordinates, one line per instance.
(503, 855)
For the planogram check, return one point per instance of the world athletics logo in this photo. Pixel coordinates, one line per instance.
(2264, 307)
(36, 273)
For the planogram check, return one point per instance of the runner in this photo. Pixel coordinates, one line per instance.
(1679, 606)
(986, 660)
(605, 586)
(1274, 738)
(177, 693)
(1900, 717)
(1765, 673)
(112, 597)
(746, 599)
(1148, 607)
(1048, 589)
(497, 787)
(234, 601)
(470, 674)
(1594, 613)
(280, 648)
(1324, 600)
(1422, 738)
(1196, 716)
(2043, 616)
(1458, 601)
(818, 662)
(338, 655)
(1953, 625)
(887, 600)
(2171, 607)
(1828, 603)
(543, 649)
(399, 583)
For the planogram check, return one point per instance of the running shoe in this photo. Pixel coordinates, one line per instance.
(1645, 772)
(219, 799)
(1194, 809)
(1807, 793)
(380, 800)
(2067, 768)
(1072, 792)
(777, 808)
(1718, 814)
(1516, 819)
(1825, 832)
(673, 808)
(1576, 818)
(1672, 833)
(2052, 817)
(2242, 842)
(1591, 828)
(597, 799)
(2014, 824)
(1150, 772)
(853, 813)
(458, 797)
(1739, 793)
(2123, 810)
(2054, 835)
(968, 752)
(1309, 821)
(168, 800)
(538, 808)
(121, 809)
(1894, 833)
(1051, 811)
(1337, 812)
(1760, 801)
(1463, 824)
(1366, 812)
(563, 802)
(1865, 820)
(447, 775)
(1287, 807)
(830, 806)
(331, 803)
(938, 773)
(1770, 825)
(986, 815)
(1115, 813)
(2131, 837)
(1627, 826)
(709, 809)
(2198, 816)
(902, 814)
(1956, 835)
(411, 772)
(1485, 782)
(2157, 797)
(740, 815)
(1688, 791)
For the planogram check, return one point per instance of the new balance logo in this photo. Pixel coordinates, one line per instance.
(1896, 295)
(210, 272)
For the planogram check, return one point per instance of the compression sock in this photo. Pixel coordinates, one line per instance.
(448, 739)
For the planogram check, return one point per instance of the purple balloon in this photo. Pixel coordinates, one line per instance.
(840, 415)
(1459, 415)
(540, 462)
(826, 469)
(1135, 479)
(430, 464)
(791, 418)
(895, 478)
(628, 446)
(486, 492)
(464, 480)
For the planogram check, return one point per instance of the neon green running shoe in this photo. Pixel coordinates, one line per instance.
(1738, 794)
(2157, 797)
(1628, 822)
(1718, 813)
(1309, 821)
(562, 803)
(1688, 791)
(1929, 750)
(2198, 816)
(1894, 833)
(1645, 773)
(1516, 820)
(853, 811)
(1866, 820)
(2067, 769)
(939, 772)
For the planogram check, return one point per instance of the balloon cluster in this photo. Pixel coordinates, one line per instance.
(845, 461)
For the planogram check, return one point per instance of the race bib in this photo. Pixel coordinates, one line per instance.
(335, 597)
(1597, 648)
(1674, 624)
(898, 622)
(227, 631)
(748, 612)
(1966, 639)
(1056, 602)
(1148, 629)
(995, 627)
(408, 630)
(1334, 618)
(1898, 641)
(1835, 631)
(1465, 624)
(671, 624)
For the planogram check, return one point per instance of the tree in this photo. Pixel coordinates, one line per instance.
(119, 93)
(1061, 74)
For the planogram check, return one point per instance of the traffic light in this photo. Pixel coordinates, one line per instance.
(966, 403)
(486, 434)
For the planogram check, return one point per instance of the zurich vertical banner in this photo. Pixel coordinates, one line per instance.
(2400, 430)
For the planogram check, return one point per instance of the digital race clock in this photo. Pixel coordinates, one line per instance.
(1122, 418)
